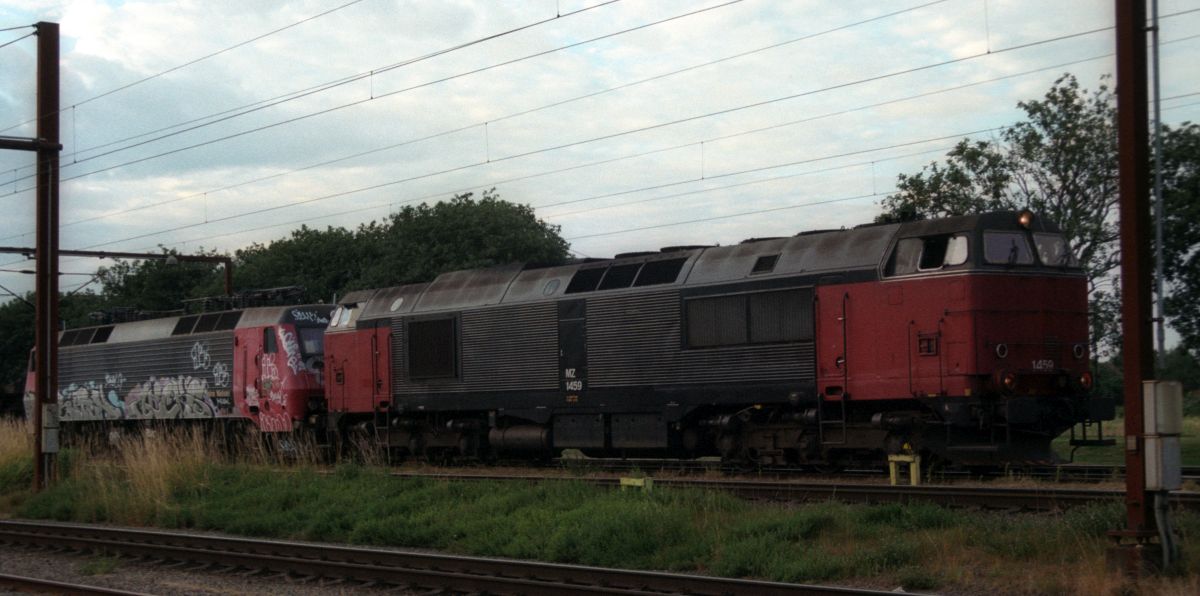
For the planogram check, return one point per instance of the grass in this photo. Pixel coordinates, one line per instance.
(99, 566)
(16, 461)
(1189, 445)
(179, 481)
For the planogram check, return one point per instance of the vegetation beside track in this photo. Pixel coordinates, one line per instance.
(1114, 455)
(178, 481)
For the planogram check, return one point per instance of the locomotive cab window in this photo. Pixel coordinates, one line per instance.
(1054, 251)
(311, 340)
(930, 253)
(269, 346)
(1006, 248)
(433, 349)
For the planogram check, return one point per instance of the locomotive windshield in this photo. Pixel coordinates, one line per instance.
(1053, 250)
(1006, 248)
(312, 340)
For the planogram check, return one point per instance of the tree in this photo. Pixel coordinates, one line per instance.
(324, 262)
(1181, 234)
(16, 339)
(1061, 162)
(155, 285)
(418, 243)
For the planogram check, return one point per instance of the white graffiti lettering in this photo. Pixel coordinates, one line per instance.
(168, 397)
(115, 380)
(271, 382)
(172, 397)
(200, 357)
(220, 374)
(309, 316)
(292, 347)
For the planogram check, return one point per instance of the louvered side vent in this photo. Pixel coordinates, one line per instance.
(635, 340)
(502, 349)
(162, 378)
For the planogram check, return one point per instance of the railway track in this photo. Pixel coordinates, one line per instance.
(388, 568)
(1063, 472)
(1041, 498)
(1060, 471)
(20, 583)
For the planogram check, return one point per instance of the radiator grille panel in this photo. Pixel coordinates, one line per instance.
(636, 341)
(167, 379)
(502, 349)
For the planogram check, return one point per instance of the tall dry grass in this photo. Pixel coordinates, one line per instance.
(15, 440)
(137, 476)
(16, 458)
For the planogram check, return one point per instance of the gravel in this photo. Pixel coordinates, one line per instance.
(107, 572)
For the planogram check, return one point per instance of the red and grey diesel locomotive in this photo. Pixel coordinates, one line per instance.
(962, 338)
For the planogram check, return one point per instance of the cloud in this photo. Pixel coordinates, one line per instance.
(111, 44)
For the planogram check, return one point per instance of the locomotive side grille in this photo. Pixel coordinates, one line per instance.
(635, 340)
(169, 378)
(504, 348)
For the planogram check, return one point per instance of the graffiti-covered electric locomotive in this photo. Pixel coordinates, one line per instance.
(962, 338)
(257, 364)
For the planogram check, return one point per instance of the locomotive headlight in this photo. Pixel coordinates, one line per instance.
(1025, 218)
(1085, 380)
(1079, 351)
(1009, 380)
(1002, 350)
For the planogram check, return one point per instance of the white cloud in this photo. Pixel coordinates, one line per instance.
(110, 44)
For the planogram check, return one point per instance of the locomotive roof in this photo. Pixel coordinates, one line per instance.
(202, 323)
(840, 250)
(807, 253)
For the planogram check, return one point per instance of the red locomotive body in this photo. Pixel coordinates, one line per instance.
(278, 363)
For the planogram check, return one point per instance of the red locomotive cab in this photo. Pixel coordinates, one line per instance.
(1031, 325)
(279, 366)
(358, 348)
(982, 319)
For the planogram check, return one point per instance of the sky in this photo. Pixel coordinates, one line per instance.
(632, 124)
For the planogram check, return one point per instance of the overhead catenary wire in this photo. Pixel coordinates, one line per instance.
(363, 101)
(382, 185)
(257, 106)
(392, 204)
(193, 61)
(516, 114)
(651, 126)
(733, 215)
(252, 107)
(12, 41)
(589, 7)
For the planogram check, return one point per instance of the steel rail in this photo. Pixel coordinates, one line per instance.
(1066, 471)
(1049, 498)
(394, 567)
(21, 583)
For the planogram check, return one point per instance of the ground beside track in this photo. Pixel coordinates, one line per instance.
(179, 483)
